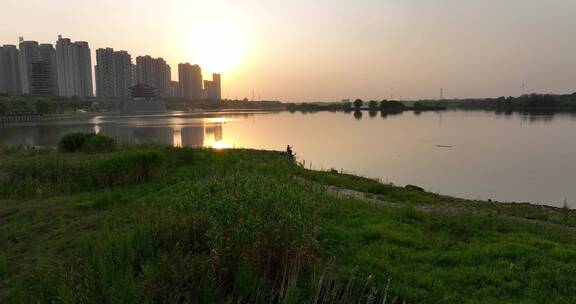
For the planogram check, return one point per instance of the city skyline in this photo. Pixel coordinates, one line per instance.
(34, 68)
(332, 49)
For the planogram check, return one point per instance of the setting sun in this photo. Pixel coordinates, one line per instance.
(217, 45)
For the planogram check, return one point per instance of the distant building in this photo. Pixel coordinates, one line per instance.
(113, 73)
(213, 89)
(74, 67)
(175, 89)
(154, 72)
(104, 72)
(10, 70)
(134, 78)
(42, 79)
(29, 52)
(143, 100)
(190, 80)
(43, 74)
(37, 68)
(142, 91)
(122, 73)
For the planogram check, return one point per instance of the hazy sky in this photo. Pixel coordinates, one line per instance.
(306, 50)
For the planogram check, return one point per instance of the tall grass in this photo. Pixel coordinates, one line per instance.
(171, 225)
(44, 175)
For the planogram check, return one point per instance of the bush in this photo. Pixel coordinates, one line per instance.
(98, 143)
(128, 167)
(86, 142)
(73, 142)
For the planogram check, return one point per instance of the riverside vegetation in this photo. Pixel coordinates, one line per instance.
(150, 224)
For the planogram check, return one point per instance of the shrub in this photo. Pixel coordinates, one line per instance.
(98, 143)
(73, 142)
(128, 167)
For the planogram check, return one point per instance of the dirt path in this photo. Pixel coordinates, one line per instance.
(450, 208)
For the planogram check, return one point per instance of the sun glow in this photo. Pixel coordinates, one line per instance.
(219, 145)
(218, 45)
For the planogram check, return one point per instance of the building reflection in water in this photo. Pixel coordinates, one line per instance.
(193, 136)
(205, 134)
(140, 135)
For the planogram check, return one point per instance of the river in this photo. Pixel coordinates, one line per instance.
(470, 154)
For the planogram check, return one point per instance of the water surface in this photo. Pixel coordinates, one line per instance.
(474, 154)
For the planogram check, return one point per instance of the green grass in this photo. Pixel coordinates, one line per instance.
(166, 225)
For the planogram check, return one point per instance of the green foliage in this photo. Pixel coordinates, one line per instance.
(373, 105)
(391, 105)
(73, 142)
(358, 104)
(2, 266)
(315, 107)
(236, 226)
(45, 175)
(98, 143)
(86, 142)
(46, 106)
(386, 192)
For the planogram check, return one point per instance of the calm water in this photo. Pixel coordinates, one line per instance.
(476, 155)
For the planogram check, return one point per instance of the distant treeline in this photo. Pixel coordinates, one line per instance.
(525, 103)
(182, 104)
(49, 105)
(359, 105)
(59, 105)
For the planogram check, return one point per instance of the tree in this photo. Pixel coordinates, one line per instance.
(373, 105)
(358, 104)
(358, 114)
(347, 106)
(46, 106)
(3, 107)
(392, 105)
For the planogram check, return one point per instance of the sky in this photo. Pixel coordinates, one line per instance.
(328, 50)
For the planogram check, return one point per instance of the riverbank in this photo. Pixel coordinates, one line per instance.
(162, 224)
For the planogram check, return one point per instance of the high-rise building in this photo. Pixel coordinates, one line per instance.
(104, 72)
(43, 74)
(134, 78)
(217, 86)
(10, 70)
(113, 73)
(85, 69)
(154, 72)
(190, 80)
(213, 89)
(74, 67)
(29, 52)
(175, 89)
(42, 79)
(122, 73)
(37, 68)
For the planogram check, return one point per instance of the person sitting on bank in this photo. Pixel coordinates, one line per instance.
(289, 151)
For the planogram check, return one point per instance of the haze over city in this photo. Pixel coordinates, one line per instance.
(328, 50)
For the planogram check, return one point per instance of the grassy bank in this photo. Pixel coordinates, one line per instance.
(158, 224)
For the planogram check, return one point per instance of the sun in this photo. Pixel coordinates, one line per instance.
(217, 45)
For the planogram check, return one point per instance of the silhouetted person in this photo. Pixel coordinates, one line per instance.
(289, 151)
